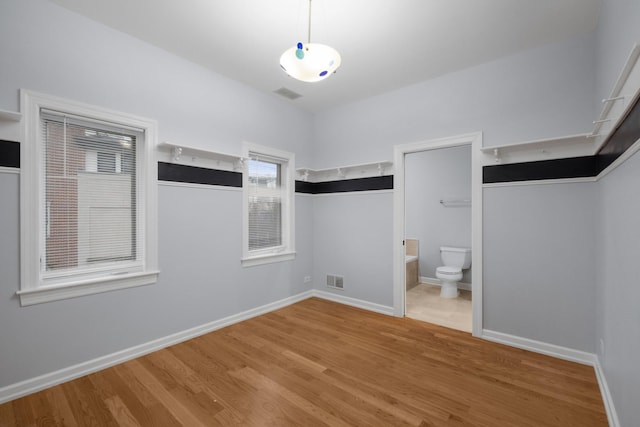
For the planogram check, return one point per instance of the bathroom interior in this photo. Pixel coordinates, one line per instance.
(438, 236)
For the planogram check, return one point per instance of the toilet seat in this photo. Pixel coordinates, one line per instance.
(450, 271)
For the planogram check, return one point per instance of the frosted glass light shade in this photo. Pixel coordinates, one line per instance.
(311, 62)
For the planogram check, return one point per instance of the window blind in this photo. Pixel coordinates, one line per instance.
(89, 195)
(265, 204)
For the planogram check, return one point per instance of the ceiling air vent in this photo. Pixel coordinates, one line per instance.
(287, 93)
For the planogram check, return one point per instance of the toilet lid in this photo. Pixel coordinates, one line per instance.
(448, 270)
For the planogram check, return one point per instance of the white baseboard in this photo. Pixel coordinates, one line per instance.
(436, 282)
(33, 385)
(42, 382)
(562, 353)
(541, 347)
(612, 415)
(366, 305)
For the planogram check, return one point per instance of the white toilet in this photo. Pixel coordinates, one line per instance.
(455, 260)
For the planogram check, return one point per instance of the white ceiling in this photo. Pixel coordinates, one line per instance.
(384, 44)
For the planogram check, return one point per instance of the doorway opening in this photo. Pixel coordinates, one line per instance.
(403, 241)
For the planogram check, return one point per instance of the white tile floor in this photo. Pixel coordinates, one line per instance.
(424, 303)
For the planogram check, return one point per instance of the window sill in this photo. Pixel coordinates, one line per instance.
(86, 287)
(267, 259)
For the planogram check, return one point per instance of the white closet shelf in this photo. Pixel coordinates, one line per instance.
(186, 150)
(345, 172)
(571, 144)
(622, 98)
(615, 109)
(10, 116)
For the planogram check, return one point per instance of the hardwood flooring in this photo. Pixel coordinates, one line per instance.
(322, 363)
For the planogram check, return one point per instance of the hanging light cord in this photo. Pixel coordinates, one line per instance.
(309, 32)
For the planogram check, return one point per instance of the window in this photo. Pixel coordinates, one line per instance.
(268, 205)
(88, 200)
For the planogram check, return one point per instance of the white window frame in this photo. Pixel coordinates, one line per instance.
(34, 289)
(286, 251)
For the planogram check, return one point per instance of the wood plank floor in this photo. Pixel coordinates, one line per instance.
(321, 363)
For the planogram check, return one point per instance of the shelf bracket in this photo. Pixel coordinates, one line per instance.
(496, 155)
(176, 153)
(239, 164)
(616, 98)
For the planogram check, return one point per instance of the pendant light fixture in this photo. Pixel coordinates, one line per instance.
(310, 62)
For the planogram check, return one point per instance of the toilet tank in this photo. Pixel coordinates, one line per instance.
(456, 257)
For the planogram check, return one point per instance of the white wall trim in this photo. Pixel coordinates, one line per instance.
(199, 186)
(354, 302)
(565, 353)
(354, 193)
(86, 287)
(540, 182)
(33, 385)
(4, 169)
(540, 347)
(31, 207)
(399, 152)
(23, 388)
(287, 162)
(607, 399)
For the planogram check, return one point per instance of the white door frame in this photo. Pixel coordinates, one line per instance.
(399, 152)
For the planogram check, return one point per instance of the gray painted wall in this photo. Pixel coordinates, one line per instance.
(352, 235)
(618, 242)
(46, 48)
(617, 32)
(539, 263)
(431, 176)
(541, 93)
(545, 92)
(618, 286)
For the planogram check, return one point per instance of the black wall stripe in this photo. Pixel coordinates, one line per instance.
(346, 185)
(621, 139)
(9, 154)
(196, 175)
(625, 135)
(575, 167)
(304, 187)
